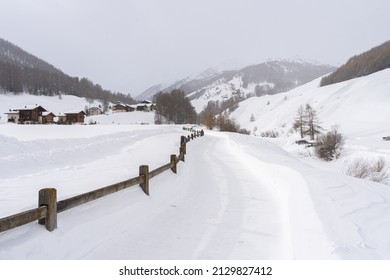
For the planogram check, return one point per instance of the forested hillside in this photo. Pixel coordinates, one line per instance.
(364, 64)
(23, 72)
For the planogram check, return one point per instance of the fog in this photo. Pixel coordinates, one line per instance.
(128, 46)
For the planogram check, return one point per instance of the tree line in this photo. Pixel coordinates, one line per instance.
(369, 62)
(216, 115)
(17, 79)
(173, 107)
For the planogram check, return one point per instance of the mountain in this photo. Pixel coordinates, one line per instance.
(374, 60)
(188, 84)
(23, 72)
(150, 92)
(10, 53)
(266, 78)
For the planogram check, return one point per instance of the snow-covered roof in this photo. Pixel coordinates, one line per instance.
(47, 113)
(12, 112)
(74, 112)
(121, 104)
(144, 104)
(30, 107)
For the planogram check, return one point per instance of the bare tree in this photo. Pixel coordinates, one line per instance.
(300, 121)
(312, 122)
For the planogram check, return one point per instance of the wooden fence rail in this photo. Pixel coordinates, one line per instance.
(48, 207)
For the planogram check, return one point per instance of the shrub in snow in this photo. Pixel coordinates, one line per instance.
(244, 131)
(328, 146)
(373, 170)
(270, 134)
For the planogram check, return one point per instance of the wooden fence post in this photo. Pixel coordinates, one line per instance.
(184, 148)
(48, 198)
(174, 161)
(144, 171)
(182, 152)
(183, 140)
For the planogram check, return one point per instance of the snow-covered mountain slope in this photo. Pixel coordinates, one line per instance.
(357, 106)
(188, 84)
(266, 78)
(150, 92)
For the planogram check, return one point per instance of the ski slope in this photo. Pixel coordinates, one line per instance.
(235, 197)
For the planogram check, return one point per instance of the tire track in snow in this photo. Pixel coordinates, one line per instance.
(247, 224)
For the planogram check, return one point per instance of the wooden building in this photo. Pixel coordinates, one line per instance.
(48, 117)
(61, 118)
(31, 114)
(120, 107)
(146, 105)
(93, 111)
(75, 117)
(26, 115)
(13, 116)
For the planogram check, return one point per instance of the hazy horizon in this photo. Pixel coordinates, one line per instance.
(129, 46)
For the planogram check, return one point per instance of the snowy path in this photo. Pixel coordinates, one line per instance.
(225, 213)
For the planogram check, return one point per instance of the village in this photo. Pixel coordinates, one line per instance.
(36, 114)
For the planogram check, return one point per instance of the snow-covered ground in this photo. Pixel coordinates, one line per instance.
(235, 197)
(122, 118)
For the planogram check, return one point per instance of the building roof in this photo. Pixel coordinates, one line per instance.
(31, 107)
(121, 104)
(48, 113)
(12, 112)
(74, 112)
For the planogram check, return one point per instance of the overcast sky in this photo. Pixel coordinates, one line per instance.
(130, 45)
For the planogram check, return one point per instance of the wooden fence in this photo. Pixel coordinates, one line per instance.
(48, 207)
